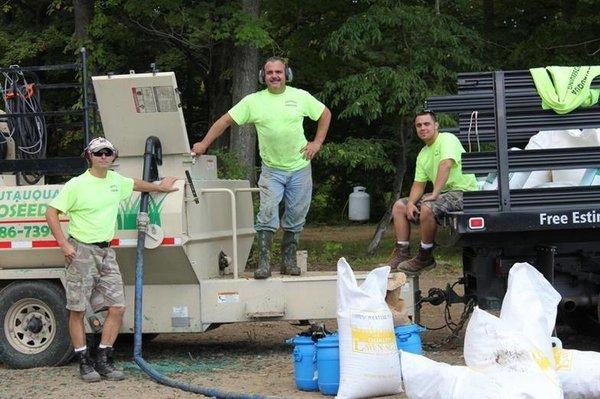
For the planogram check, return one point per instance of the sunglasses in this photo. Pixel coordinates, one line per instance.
(427, 111)
(107, 152)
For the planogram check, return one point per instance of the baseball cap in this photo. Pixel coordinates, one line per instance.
(98, 144)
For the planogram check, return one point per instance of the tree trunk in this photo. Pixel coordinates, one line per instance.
(219, 88)
(245, 67)
(405, 130)
(437, 7)
(84, 12)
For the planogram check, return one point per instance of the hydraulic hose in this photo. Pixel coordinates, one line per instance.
(28, 127)
(153, 158)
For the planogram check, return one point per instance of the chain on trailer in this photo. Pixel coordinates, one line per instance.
(447, 296)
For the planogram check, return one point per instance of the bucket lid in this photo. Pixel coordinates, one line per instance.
(409, 328)
(300, 340)
(329, 340)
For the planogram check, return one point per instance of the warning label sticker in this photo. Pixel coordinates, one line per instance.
(152, 99)
(228, 297)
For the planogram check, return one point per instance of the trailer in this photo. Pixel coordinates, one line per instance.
(197, 244)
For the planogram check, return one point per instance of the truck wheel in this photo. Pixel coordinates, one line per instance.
(33, 325)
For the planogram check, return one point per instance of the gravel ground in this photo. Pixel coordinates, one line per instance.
(245, 357)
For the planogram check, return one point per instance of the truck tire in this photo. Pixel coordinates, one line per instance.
(33, 325)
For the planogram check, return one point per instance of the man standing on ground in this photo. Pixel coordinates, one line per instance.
(91, 201)
(278, 113)
(440, 163)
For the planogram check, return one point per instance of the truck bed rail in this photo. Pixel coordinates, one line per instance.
(527, 160)
(534, 199)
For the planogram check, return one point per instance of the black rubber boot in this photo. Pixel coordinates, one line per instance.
(289, 246)
(265, 241)
(86, 367)
(106, 367)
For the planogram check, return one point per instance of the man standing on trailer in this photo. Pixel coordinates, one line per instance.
(91, 201)
(440, 163)
(278, 113)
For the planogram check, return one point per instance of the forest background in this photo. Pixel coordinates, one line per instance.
(373, 63)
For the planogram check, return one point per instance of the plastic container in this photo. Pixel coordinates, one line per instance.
(591, 177)
(305, 364)
(408, 338)
(359, 205)
(328, 364)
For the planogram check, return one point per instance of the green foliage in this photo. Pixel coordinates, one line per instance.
(357, 154)
(32, 30)
(330, 251)
(340, 166)
(229, 167)
(373, 62)
(396, 56)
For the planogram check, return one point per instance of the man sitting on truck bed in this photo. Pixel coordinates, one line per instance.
(440, 163)
(92, 202)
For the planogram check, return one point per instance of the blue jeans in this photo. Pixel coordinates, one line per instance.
(295, 187)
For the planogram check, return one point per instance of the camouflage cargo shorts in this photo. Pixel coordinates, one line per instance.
(93, 276)
(450, 201)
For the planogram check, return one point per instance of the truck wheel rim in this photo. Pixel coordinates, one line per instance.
(17, 319)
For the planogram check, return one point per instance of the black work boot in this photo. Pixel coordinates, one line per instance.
(423, 261)
(400, 254)
(289, 246)
(106, 367)
(265, 241)
(86, 367)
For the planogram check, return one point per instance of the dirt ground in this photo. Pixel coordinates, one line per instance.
(245, 358)
(249, 358)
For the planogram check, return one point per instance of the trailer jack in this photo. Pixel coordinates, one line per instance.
(437, 296)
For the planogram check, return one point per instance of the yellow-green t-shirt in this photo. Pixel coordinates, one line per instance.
(445, 146)
(92, 204)
(278, 119)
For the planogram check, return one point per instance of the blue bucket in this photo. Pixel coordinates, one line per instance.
(408, 338)
(305, 365)
(328, 364)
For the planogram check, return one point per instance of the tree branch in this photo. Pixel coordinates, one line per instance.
(398, 180)
(572, 45)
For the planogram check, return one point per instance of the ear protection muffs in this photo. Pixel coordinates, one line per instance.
(289, 75)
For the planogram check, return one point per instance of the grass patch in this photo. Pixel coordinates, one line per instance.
(169, 367)
(326, 244)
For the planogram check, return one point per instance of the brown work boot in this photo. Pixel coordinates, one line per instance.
(86, 367)
(423, 261)
(399, 255)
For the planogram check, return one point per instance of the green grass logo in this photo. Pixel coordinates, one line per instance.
(128, 210)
